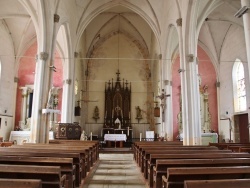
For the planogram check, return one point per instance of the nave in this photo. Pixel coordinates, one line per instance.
(115, 170)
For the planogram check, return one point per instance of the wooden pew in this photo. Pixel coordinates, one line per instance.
(77, 158)
(137, 145)
(186, 151)
(245, 149)
(176, 176)
(84, 151)
(20, 183)
(154, 157)
(166, 147)
(66, 164)
(50, 175)
(227, 183)
(6, 144)
(227, 145)
(162, 165)
(94, 144)
(146, 154)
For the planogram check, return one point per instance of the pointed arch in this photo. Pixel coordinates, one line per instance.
(239, 87)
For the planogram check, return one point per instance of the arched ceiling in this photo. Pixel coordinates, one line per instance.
(17, 23)
(218, 25)
(123, 20)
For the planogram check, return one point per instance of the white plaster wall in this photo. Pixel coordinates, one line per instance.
(103, 70)
(6, 81)
(234, 47)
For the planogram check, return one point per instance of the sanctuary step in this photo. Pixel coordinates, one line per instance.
(116, 150)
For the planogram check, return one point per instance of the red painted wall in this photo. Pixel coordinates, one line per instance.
(26, 77)
(208, 77)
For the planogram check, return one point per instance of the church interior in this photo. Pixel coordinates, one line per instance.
(128, 75)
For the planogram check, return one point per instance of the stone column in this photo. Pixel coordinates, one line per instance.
(189, 86)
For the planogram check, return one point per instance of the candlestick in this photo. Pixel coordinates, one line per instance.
(128, 131)
(108, 132)
(91, 136)
(140, 136)
(122, 132)
(106, 114)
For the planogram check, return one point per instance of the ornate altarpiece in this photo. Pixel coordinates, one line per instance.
(117, 104)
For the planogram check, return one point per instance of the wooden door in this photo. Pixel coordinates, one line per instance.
(243, 128)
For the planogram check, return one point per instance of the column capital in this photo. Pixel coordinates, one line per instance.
(76, 54)
(179, 22)
(190, 57)
(43, 56)
(67, 81)
(56, 18)
(16, 79)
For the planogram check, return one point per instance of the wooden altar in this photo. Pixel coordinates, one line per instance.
(117, 104)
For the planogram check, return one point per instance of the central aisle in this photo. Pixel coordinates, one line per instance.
(115, 170)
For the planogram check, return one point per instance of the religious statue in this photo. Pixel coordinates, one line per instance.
(50, 102)
(84, 136)
(96, 114)
(138, 113)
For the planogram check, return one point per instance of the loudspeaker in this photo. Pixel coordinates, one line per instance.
(77, 111)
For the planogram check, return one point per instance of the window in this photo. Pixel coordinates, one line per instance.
(239, 86)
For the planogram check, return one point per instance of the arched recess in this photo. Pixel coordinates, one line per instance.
(207, 87)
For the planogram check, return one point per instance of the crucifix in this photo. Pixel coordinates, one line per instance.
(163, 97)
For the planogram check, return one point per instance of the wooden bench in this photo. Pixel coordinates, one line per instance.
(77, 158)
(85, 151)
(162, 165)
(154, 157)
(183, 150)
(20, 183)
(176, 176)
(94, 144)
(228, 183)
(138, 145)
(66, 165)
(169, 147)
(6, 144)
(50, 175)
(227, 145)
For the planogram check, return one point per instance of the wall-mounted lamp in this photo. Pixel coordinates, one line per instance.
(180, 70)
(242, 11)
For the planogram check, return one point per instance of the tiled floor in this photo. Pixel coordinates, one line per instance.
(115, 171)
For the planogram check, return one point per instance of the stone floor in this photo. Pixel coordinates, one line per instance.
(115, 171)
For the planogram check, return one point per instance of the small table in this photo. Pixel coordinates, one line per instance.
(114, 138)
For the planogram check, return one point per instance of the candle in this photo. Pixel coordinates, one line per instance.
(128, 131)
(91, 136)
(140, 136)
(108, 132)
(112, 113)
(122, 132)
